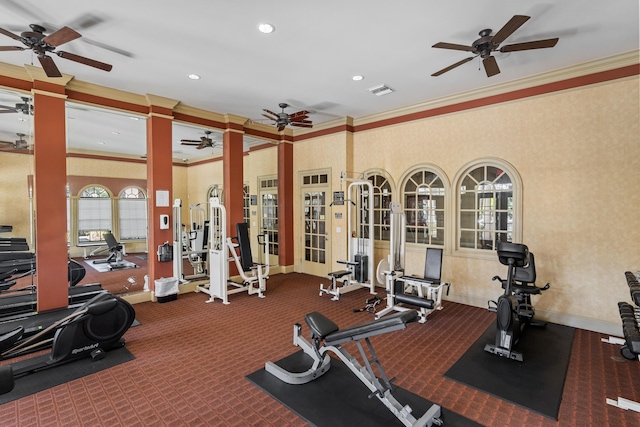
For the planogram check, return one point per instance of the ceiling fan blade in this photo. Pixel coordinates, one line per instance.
(8, 111)
(295, 122)
(62, 36)
(453, 46)
(7, 48)
(538, 44)
(509, 28)
(302, 125)
(270, 112)
(280, 128)
(451, 67)
(85, 61)
(298, 114)
(490, 66)
(86, 20)
(298, 119)
(270, 118)
(191, 140)
(9, 34)
(108, 47)
(49, 66)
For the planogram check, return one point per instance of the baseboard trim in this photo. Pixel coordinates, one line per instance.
(581, 322)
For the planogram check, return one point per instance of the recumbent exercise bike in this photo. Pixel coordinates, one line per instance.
(514, 309)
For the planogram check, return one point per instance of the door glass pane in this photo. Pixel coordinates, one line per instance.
(315, 226)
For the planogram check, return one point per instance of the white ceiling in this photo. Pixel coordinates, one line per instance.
(307, 62)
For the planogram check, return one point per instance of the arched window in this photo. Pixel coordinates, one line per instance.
(382, 195)
(489, 200)
(94, 214)
(215, 191)
(132, 213)
(424, 206)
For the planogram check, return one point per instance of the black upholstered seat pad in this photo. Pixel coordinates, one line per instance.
(386, 324)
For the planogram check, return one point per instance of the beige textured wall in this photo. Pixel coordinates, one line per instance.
(258, 164)
(14, 209)
(199, 179)
(578, 154)
(327, 152)
(107, 168)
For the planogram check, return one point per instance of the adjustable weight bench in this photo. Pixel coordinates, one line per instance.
(115, 258)
(326, 336)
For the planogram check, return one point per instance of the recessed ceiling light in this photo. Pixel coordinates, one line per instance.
(100, 143)
(194, 77)
(357, 78)
(266, 28)
(115, 132)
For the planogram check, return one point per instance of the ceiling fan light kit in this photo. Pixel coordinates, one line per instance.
(486, 44)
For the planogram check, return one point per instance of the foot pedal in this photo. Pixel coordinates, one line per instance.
(98, 354)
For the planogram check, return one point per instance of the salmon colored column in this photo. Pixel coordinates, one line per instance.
(233, 158)
(159, 182)
(285, 205)
(50, 170)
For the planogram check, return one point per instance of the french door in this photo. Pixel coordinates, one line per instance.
(316, 223)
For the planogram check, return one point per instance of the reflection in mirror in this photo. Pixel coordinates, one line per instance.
(107, 200)
(16, 170)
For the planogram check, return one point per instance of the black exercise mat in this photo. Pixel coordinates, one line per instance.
(103, 267)
(338, 398)
(48, 378)
(536, 383)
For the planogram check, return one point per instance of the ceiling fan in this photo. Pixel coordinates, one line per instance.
(23, 107)
(283, 119)
(19, 144)
(488, 43)
(41, 44)
(201, 143)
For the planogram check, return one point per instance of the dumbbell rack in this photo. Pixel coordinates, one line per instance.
(630, 316)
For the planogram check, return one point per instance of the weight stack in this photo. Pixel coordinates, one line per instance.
(361, 270)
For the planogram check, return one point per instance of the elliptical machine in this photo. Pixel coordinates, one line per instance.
(514, 309)
(91, 330)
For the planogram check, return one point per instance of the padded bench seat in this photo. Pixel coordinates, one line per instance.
(326, 329)
(339, 274)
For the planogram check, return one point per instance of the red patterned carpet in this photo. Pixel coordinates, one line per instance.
(192, 359)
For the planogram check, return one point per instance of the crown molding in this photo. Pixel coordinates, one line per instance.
(580, 70)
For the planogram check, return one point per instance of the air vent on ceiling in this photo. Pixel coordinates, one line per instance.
(381, 90)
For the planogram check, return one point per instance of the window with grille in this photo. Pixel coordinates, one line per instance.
(488, 201)
(94, 214)
(132, 214)
(382, 194)
(424, 207)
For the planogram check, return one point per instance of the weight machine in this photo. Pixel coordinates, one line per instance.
(426, 291)
(190, 244)
(254, 276)
(359, 265)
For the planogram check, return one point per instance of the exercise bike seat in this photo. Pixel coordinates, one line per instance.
(524, 279)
